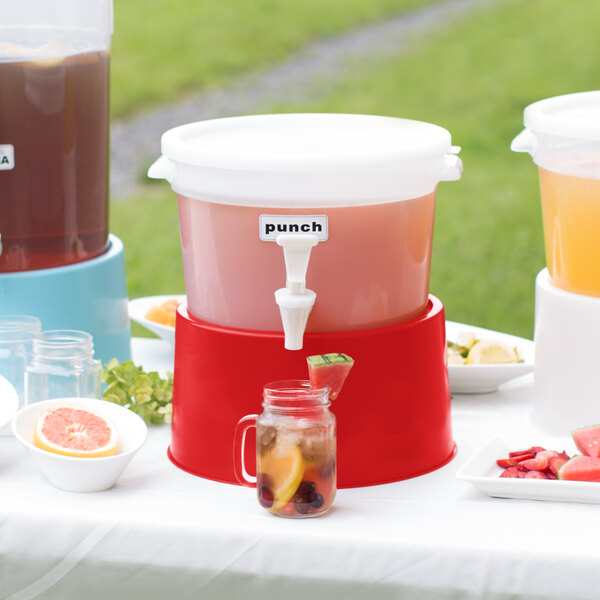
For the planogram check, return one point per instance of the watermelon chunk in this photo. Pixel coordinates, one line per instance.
(587, 440)
(580, 468)
(329, 369)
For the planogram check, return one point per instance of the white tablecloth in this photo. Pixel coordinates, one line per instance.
(163, 533)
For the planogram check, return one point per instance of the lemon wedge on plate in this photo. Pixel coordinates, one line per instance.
(285, 470)
(491, 352)
(454, 357)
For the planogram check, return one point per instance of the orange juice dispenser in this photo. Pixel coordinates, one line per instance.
(562, 134)
(57, 259)
(307, 234)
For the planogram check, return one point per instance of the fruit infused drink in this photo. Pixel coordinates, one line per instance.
(295, 450)
(362, 187)
(571, 215)
(386, 247)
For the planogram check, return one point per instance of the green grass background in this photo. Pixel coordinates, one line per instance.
(473, 77)
(163, 49)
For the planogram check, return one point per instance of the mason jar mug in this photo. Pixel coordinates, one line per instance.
(295, 450)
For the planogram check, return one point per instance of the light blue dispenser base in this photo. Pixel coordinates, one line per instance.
(88, 296)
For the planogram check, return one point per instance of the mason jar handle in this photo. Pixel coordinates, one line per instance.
(239, 446)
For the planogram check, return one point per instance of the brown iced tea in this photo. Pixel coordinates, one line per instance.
(54, 146)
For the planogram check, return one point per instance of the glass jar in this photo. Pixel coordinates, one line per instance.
(62, 367)
(295, 450)
(16, 348)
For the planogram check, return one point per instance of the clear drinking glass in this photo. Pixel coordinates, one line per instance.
(17, 333)
(62, 367)
(295, 450)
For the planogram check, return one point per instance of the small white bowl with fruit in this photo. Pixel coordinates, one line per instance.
(9, 402)
(157, 314)
(80, 444)
(480, 360)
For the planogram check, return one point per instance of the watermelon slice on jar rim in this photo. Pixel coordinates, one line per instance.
(329, 370)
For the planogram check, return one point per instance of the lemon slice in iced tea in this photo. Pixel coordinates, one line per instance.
(285, 471)
(75, 431)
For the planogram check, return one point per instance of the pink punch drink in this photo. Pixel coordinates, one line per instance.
(362, 186)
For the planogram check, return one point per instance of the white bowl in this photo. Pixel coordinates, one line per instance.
(83, 474)
(140, 306)
(9, 402)
(483, 379)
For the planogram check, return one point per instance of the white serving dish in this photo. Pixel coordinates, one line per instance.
(9, 402)
(76, 474)
(482, 471)
(140, 306)
(480, 379)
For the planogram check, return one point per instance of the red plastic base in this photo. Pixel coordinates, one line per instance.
(393, 413)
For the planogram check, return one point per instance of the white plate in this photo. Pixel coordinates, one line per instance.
(140, 306)
(483, 472)
(479, 379)
(9, 402)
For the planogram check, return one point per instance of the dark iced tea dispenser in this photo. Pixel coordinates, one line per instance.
(54, 136)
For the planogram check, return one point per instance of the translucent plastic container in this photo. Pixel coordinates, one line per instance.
(363, 186)
(563, 136)
(54, 69)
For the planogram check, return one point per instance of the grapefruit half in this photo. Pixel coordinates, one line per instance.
(75, 431)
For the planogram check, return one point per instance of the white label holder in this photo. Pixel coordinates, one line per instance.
(271, 226)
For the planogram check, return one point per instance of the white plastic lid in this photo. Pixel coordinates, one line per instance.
(571, 116)
(306, 159)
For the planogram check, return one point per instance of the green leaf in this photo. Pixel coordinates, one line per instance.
(146, 394)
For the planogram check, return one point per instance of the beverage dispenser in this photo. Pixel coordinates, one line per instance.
(308, 234)
(57, 258)
(562, 134)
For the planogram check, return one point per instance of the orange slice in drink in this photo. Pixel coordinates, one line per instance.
(75, 431)
(285, 471)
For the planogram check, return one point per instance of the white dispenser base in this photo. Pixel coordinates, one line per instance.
(567, 358)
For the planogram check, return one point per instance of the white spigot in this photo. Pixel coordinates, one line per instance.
(295, 301)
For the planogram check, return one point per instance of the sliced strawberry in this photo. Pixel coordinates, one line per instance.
(523, 457)
(556, 462)
(540, 462)
(536, 475)
(511, 461)
(533, 450)
(510, 472)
